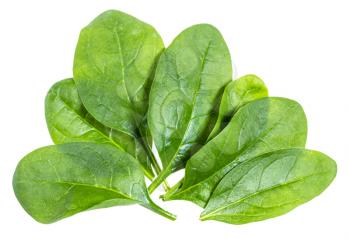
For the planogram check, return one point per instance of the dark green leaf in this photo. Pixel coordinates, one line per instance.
(58, 181)
(68, 121)
(190, 78)
(269, 186)
(259, 127)
(238, 93)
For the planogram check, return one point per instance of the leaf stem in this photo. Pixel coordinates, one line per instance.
(172, 190)
(158, 171)
(148, 175)
(159, 179)
(154, 162)
(155, 208)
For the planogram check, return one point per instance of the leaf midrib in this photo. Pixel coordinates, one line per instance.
(85, 185)
(89, 124)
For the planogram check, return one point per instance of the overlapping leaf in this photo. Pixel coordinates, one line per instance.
(269, 186)
(68, 121)
(190, 78)
(114, 65)
(58, 181)
(259, 127)
(237, 93)
(114, 61)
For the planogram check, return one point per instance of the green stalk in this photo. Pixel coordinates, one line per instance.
(158, 171)
(160, 211)
(159, 179)
(172, 190)
(154, 162)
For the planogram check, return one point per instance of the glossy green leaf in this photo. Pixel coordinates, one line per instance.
(113, 67)
(258, 127)
(68, 121)
(190, 78)
(269, 186)
(238, 93)
(58, 181)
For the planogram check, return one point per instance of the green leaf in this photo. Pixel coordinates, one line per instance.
(68, 121)
(55, 182)
(238, 93)
(113, 67)
(190, 78)
(259, 127)
(269, 186)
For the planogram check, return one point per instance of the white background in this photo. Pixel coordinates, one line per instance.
(301, 49)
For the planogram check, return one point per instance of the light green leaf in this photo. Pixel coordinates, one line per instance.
(114, 61)
(190, 78)
(238, 93)
(113, 69)
(68, 121)
(55, 182)
(269, 186)
(259, 127)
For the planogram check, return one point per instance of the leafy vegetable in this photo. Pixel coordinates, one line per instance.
(259, 127)
(116, 55)
(242, 151)
(189, 80)
(55, 182)
(237, 93)
(270, 185)
(113, 69)
(68, 121)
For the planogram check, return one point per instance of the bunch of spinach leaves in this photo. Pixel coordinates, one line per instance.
(243, 152)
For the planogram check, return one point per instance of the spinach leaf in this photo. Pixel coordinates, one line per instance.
(113, 69)
(242, 151)
(237, 93)
(68, 121)
(269, 186)
(58, 181)
(190, 77)
(259, 127)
